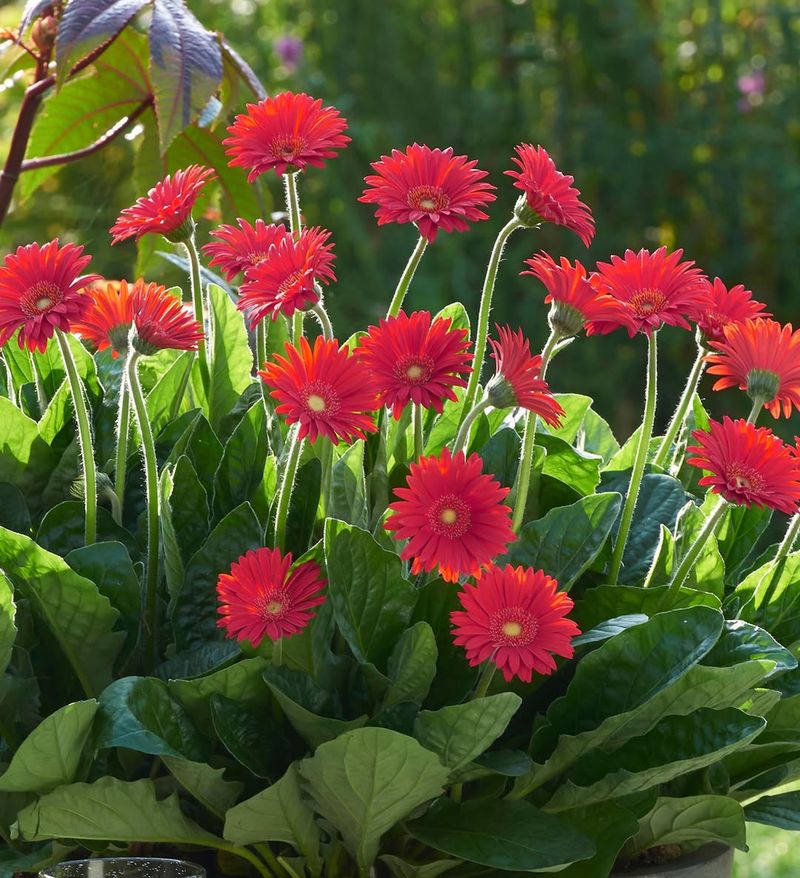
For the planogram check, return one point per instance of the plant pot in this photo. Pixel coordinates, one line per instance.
(710, 861)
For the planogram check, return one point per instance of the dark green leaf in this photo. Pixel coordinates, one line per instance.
(740, 642)
(609, 826)
(692, 820)
(241, 469)
(412, 666)
(578, 469)
(348, 487)
(251, 736)
(782, 811)
(206, 784)
(501, 456)
(14, 512)
(25, 458)
(8, 628)
(62, 530)
(303, 508)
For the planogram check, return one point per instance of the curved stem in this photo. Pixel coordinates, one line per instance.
(789, 539)
(150, 617)
(324, 321)
(418, 442)
(689, 559)
(406, 277)
(640, 459)
(685, 401)
(755, 411)
(287, 483)
(121, 458)
(462, 438)
(482, 331)
(84, 439)
(199, 310)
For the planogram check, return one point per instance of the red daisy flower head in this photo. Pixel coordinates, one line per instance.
(655, 288)
(516, 381)
(41, 289)
(430, 187)
(573, 301)
(747, 465)
(285, 133)
(723, 306)
(284, 282)
(763, 358)
(325, 389)
(415, 359)
(166, 209)
(263, 597)
(515, 617)
(160, 320)
(242, 246)
(549, 196)
(107, 320)
(452, 515)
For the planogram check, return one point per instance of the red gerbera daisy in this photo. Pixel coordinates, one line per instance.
(549, 195)
(748, 465)
(108, 318)
(414, 359)
(283, 282)
(723, 306)
(285, 133)
(515, 617)
(517, 381)
(429, 187)
(166, 209)
(325, 389)
(238, 249)
(41, 289)
(452, 515)
(162, 321)
(763, 358)
(655, 288)
(575, 302)
(263, 597)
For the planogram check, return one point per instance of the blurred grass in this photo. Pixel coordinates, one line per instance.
(774, 853)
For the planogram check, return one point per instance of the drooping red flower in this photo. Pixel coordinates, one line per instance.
(41, 289)
(108, 317)
(723, 306)
(240, 247)
(325, 389)
(430, 187)
(516, 381)
(285, 133)
(514, 617)
(166, 209)
(655, 288)
(549, 195)
(747, 465)
(283, 282)
(162, 321)
(452, 515)
(575, 302)
(763, 358)
(415, 359)
(263, 597)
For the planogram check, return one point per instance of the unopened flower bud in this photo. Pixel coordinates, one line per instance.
(564, 320)
(523, 212)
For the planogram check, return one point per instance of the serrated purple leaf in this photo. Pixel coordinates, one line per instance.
(185, 65)
(33, 9)
(87, 24)
(244, 69)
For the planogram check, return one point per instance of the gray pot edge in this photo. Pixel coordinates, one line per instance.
(710, 861)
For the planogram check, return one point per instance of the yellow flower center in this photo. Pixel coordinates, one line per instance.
(512, 629)
(448, 516)
(315, 403)
(273, 608)
(414, 372)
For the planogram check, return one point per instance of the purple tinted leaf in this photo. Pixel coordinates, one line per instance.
(33, 9)
(186, 67)
(243, 69)
(87, 24)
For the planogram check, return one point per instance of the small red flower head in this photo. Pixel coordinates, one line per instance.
(238, 248)
(723, 306)
(283, 282)
(40, 290)
(161, 321)
(517, 382)
(429, 187)
(415, 360)
(166, 209)
(747, 465)
(763, 358)
(325, 389)
(549, 196)
(515, 617)
(655, 288)
(263, 597)
(452, 515)
(574, 301)
(108, 318)
(285, 133)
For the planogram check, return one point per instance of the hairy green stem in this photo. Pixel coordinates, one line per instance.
(10, 389)
(640, 458)
(287, 483)
(418, 441)
(121, 456)
(292, 202)
(326, 457)
(789, 539)
(755, 411)
(685, 401)
(324, 321)
(41, 394)
(462, 437)
(84, 439)
(406, 277)
(689, 559)
(198, 304)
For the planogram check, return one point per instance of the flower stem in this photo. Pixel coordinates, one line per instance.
(10, 389)
(292, 202)
(529, 441)
(406, 277)
(199, 309)
(287, 483)
(262, 329)
(150, 618)
(640, 458)
(485, 680)
(755, 411)
(462, 438)
(689, 559)
(418, 442)
(84, 439)
(324, 321)
(482, 331)
(789, 539)
(277, 652)
(121, 458)
(327, 474)
(683, 407)
(41, 395)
